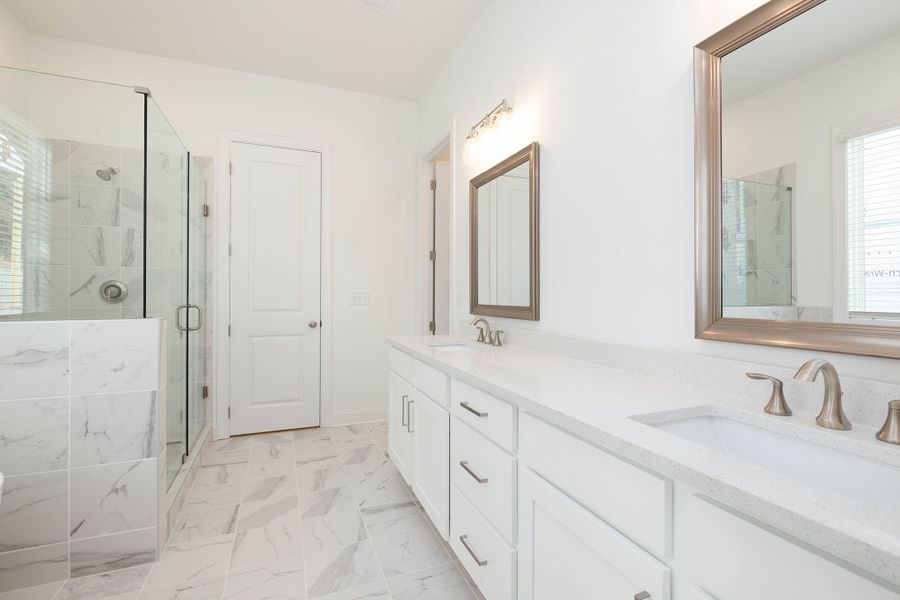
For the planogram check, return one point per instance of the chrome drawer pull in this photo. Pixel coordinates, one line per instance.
(642, 596)
(409, 425)
(466, 406)
(465, 465)
(478, 561)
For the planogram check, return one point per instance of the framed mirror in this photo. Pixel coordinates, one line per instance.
(503, 238)
(797, 178)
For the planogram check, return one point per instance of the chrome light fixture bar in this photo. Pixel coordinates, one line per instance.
(490, 120)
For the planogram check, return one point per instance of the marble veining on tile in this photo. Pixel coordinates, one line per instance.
(34, 510)
(34, 360)
(33, 435)
(243, 537)
(114, 427)
(114, 497)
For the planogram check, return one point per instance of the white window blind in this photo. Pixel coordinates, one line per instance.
(24, 222)
(873, 224)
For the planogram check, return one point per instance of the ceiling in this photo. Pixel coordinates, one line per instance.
(831, 31)
(386, 47)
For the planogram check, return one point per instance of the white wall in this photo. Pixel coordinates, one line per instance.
(606, 88)
(13, 40)
(373, 145)
(792, 123)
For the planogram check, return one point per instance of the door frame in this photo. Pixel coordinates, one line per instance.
(423, 233)
(222, 270)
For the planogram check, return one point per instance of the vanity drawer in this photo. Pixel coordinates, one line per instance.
(488, 559)
(431, 382)
(400, 363)
(489, 416)
(488, 478)
(634, 501)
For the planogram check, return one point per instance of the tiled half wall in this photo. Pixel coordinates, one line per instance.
(80, 446)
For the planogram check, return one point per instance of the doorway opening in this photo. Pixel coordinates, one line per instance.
(439, 211)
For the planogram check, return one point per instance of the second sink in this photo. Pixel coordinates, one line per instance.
(814, 464)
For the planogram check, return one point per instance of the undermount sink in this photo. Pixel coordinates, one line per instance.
(819, 466)
(452, 347)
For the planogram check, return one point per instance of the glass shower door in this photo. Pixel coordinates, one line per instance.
(166, 269)
(199, 317)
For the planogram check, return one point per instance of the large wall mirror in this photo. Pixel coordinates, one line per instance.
(503, 234)
(798, 177)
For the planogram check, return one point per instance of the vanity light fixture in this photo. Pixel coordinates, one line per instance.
(483, 133)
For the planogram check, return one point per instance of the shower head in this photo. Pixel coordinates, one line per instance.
(107, 173)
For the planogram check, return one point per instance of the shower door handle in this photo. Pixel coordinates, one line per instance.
(199, 317)
(178, 324)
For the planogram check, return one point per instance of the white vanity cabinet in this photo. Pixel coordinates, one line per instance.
(419, 433)
(431, 435)
(400, 436)
(726, 557)
(534, 512)
(565, 551)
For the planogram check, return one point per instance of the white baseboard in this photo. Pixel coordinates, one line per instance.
(350, 417)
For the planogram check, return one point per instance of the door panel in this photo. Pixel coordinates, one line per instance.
(400, 439)
(275, 288)
(431, 443)
(568, 552)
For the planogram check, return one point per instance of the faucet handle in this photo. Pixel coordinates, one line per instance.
(777, 405)
(890, 431)
(496, 339)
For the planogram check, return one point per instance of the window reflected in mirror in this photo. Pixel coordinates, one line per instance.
(810, 211)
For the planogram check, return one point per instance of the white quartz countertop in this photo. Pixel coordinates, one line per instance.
(597, 403)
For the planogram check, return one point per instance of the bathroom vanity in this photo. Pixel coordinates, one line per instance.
(553, 478)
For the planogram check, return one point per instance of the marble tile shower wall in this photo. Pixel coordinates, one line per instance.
(80, 446)
(88, 224)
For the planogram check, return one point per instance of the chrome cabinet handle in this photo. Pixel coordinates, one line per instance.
(642, 596)
(409, 406)
(465, 465)
(478, 561)
(466, 406)
(403, 410)
(313, 324)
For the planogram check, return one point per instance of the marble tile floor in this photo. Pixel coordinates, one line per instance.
(296, 515)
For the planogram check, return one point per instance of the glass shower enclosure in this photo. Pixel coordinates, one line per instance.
(103, 216)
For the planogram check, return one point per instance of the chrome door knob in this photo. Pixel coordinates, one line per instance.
(313, 324)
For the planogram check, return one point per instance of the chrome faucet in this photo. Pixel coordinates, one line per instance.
(484, 338)
(832, 414)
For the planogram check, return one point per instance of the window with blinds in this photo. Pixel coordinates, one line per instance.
(24, 222)
(873, 224)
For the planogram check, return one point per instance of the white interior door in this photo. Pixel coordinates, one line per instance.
(275, 288)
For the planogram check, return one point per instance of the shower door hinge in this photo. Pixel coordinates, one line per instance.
(205, 210)
(230, 167)
(431, 326)
(433, 184)
(229, 412)
(431, 256)
(205, 393)
(229, 331)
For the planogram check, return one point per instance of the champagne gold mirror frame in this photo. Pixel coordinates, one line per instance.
(531, 155)
(869, 340)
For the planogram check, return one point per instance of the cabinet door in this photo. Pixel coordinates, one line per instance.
(567, 552)
(400, 445)
(431, 440)
(729, 558)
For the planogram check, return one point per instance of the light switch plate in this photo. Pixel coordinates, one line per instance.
(359, 298)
